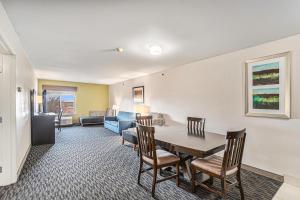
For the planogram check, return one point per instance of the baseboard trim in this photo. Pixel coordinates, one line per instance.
(292, 180)
(263, 173)
(23, 161)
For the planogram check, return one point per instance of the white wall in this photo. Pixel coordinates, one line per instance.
(23, 77)
(213, 88)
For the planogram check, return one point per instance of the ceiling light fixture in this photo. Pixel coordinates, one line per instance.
(119, 49)
(155, 49)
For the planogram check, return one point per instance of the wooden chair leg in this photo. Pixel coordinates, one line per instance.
(193, 178)
(123, 141)
(154, 180)
(238, 177)
(140, 171)
(177, 174)
(224, 188)
(211, 180)
(134, 147)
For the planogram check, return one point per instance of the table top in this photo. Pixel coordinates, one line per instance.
(194, 145)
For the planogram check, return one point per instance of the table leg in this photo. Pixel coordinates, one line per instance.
(188, 169)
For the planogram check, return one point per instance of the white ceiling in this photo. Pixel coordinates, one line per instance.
(70, 40)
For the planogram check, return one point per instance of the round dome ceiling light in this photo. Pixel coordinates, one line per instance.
(155, 50)
(119, 49)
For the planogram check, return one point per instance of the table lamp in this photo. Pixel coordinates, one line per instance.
(115, 108)
(39, 100)
(142, 109)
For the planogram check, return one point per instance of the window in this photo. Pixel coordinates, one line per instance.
(56, 100)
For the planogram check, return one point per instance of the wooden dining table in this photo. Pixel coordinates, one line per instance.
(177, 139)
(200, 146)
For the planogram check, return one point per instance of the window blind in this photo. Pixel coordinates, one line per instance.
(59, 88)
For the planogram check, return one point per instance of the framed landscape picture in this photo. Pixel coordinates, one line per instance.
(138, 94)
(268, 86)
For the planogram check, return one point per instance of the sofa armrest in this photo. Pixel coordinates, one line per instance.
(110, 118)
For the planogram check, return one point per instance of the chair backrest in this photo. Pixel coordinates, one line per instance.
(234, 150)
(146, 141)
(144, 120)
(196, 126)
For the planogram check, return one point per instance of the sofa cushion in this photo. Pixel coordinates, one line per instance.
(126, 116)
(112, 123)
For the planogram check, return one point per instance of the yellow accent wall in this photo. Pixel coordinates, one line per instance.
(89, 97)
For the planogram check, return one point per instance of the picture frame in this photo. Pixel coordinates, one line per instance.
(138, 94)
(268, 86)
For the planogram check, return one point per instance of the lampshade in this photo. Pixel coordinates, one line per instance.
(115, 107)
(39, 99)
(142, 109)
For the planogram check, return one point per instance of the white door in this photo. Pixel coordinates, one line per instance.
(7, 145)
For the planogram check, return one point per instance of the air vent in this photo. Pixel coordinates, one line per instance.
(0, 169)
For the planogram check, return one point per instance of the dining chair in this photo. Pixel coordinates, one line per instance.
(144, 120)
(156, 159)
(196, 126)
(58, 120)
(217, 167)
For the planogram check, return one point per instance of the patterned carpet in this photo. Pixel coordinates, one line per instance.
(90, 163)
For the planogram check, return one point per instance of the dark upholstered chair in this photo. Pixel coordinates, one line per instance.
(217, 167)
(157, 159)
(130, 135)
(58, 120)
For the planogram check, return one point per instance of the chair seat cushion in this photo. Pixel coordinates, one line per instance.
(163, 157)
(211, 164)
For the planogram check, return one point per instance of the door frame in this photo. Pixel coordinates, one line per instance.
(8, 125)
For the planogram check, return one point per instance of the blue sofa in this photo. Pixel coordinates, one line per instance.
(122, 121)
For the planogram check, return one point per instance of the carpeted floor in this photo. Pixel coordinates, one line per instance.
(90, 163)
